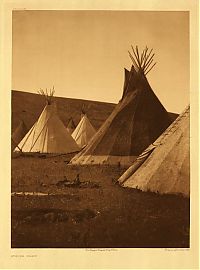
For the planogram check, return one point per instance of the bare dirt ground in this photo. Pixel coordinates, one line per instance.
(91, 214)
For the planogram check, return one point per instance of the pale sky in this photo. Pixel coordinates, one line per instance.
(83, 53)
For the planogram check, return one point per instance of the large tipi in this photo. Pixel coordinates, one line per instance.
(48, 134)
(164, 166)
(137, 120)
(18, 134)
(71, 126)
(84, 131)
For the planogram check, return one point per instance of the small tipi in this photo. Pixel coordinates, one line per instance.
(137, 120)
(164, 166)
(84, 131)
(71, 126)
(48, 134)
(18, 134)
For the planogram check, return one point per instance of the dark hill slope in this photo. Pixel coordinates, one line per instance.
(28, 106)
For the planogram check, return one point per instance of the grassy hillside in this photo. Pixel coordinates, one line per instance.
(28, 106)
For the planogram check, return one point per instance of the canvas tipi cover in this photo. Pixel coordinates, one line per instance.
(164, 166)
(48, 135)
(137, 120)
(18, 134)
(83, 132)
(71, 126)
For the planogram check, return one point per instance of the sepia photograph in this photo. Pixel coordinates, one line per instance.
(100, 142)
(100, 129)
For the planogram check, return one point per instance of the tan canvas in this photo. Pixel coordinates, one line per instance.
(137, 120)
(83, 132)
(164, 166)
(48, 135)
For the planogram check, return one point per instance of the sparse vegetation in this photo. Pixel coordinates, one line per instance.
(107, 216)
(91, 210)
